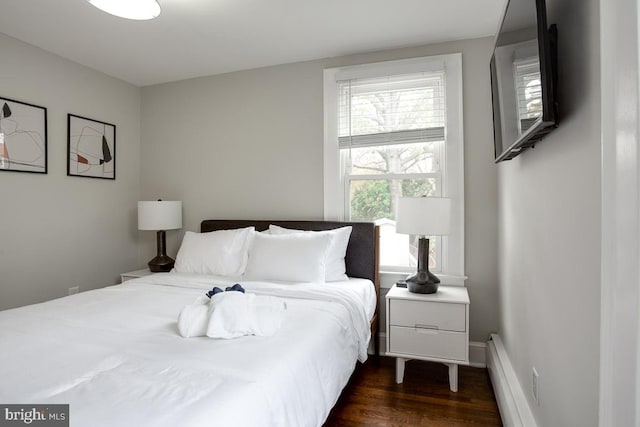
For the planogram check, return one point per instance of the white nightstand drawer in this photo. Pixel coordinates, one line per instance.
(428, 343)
(435, 315)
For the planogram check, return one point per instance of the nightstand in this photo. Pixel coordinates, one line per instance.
(432, 327)
(134, 274)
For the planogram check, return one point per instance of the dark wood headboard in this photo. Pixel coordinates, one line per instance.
(361, 258)
(362, 252)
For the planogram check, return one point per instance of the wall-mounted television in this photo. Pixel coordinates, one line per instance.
(523, 78)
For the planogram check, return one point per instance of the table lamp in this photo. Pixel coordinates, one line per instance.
(424, 216)
(160, 216)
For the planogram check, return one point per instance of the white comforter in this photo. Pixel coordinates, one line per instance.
(116, 357)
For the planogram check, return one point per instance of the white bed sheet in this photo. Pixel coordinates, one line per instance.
(116, 357)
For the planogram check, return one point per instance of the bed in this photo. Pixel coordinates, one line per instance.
(116, 357)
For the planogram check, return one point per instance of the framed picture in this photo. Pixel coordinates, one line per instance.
(91, 148)
(23, 137)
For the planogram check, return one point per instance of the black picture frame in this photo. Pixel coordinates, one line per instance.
(23, 137)
(91, 148)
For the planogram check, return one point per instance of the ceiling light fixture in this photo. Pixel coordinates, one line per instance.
(130, 9)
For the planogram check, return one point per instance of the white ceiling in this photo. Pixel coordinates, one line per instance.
(194, 38)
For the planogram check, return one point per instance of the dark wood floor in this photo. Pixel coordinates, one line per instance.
(372, 398)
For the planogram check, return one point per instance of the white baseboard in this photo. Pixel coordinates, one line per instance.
(382, 336)
(477, 354)
(513, 405)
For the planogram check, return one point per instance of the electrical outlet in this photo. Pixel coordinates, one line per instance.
(74, 290)
(535, 386)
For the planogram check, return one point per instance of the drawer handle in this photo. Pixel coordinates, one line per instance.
(430, 327)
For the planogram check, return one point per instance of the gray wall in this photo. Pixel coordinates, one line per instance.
(249, 145)
(549, 247)
(57, 231)
(61, 231)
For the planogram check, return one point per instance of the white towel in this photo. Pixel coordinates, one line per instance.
(194, 319)
(234, 314)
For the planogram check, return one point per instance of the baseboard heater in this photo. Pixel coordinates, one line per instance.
(513, 405)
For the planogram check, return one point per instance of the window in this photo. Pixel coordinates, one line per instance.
(395, 129)
(528, 91)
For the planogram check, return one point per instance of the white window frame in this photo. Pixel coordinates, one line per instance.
(453, 180)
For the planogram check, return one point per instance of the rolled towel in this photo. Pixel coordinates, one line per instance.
(236, 314)
(268, 313)
(194, 319)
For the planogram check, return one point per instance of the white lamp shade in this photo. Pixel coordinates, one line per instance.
(130, 9)
(424, 216)
(160, 215)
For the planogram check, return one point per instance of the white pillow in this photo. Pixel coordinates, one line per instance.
(336, 269)
(222, 252)
(288, 257)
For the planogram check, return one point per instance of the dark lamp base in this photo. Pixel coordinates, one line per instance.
(423, 282)
(161, 264)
